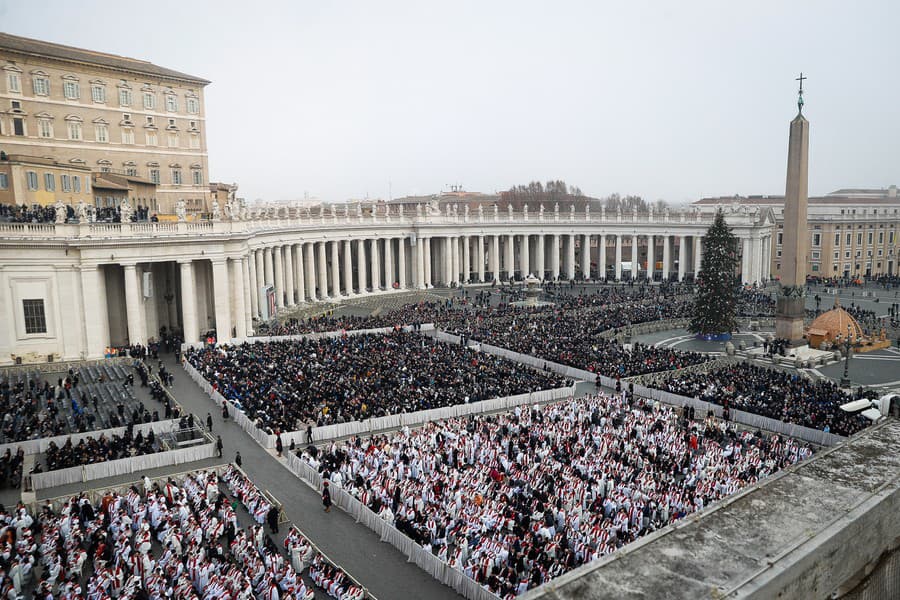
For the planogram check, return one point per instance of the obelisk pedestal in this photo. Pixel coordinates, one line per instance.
(790, 306)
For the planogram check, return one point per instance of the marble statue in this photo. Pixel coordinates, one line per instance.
(180, 211)
(541, 211)
(125, 211)
(216, 212)
(81, 211)
(433, 208)
(60, 212)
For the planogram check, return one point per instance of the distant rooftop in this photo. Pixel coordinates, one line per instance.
(30, 47)
(842, 196)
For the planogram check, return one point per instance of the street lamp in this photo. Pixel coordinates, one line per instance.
(845, 380)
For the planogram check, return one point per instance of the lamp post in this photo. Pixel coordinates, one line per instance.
(845, 380)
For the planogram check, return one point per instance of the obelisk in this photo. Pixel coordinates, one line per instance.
(791, 304)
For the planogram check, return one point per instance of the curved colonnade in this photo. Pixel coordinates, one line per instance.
(115, 284)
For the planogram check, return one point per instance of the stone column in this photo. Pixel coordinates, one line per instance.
(745, 260)
(479, 257)
(540, 257)
(586, 256)
(467, 258)
(618, 257)
(279, 277)
(682, 257)
(401, 261)
(221, 291)
(635, 257)
(254, 297)
(429, 282)
(651, 259)
(335, 269)
(348, 268)
(237, 298)
(269, 273)
(310, 254)
(454, 259)
(509, 252)
(420, 263)
(322, 275)
(134, 304)
(248, 314)
(361, 265)
(289, 275)
(554, 257)
(495, 257)
(570, 258)
(667, 258)
(389, 278)
(698, 251)
(299, 276)
(525, 256)
(260, 280)
(601, 266)
(376, 266)
(94, 315)
(189, 302)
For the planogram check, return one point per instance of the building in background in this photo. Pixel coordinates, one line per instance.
(107, 113)
(33, 180)
(852, 232)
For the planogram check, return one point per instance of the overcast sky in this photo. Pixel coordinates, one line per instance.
(671, 100)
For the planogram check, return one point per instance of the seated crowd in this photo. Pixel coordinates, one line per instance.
(289, 384)
(518, 499)
(175, 540)
(90, 450)
(788, 397)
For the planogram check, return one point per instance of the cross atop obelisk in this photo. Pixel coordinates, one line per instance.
(800, 93)
(790, 307)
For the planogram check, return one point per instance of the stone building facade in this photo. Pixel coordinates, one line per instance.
(108, 113)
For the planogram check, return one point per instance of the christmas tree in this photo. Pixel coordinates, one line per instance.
(716, 303)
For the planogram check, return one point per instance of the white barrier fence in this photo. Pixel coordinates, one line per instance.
(40, 445)
(123, 466)
(428, 562)
(807, 434)
(308, 336)
(375, 424)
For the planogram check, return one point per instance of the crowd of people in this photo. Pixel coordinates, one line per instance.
(788, 397)
(94, 450)
(288, 385)
(47, 214)
(518, 499)
(168, 540)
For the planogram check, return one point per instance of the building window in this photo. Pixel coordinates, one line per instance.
(70, 89)
(890, 237)
(45, 128)
(195, 141)
(176, 176)
(41, 86)
(128, 136)
(193, 106)
(101, 133)
(74, 130)
(837, 239)
(124, 97)
(817, 239)
(198, 176)
(837, 255)
(13, 83)
(18, 126)
(65, 183)
(49, 182)
(870, 238)
(849, 238)
(880, 237)
(815, 268)
(171, 103)
(154, 175)
(98, 93)
(131, 171)
(152, 139)
(35, 322)
(859, 239)
(4, 181)
(76, 184)
(847, 254)
(173, 140)
(32, 180)
(816, 255)
(778, 241)
(149, 100)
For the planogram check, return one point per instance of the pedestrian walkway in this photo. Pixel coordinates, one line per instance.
(382, 569)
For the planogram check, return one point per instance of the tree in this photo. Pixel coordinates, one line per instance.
(715, 304)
